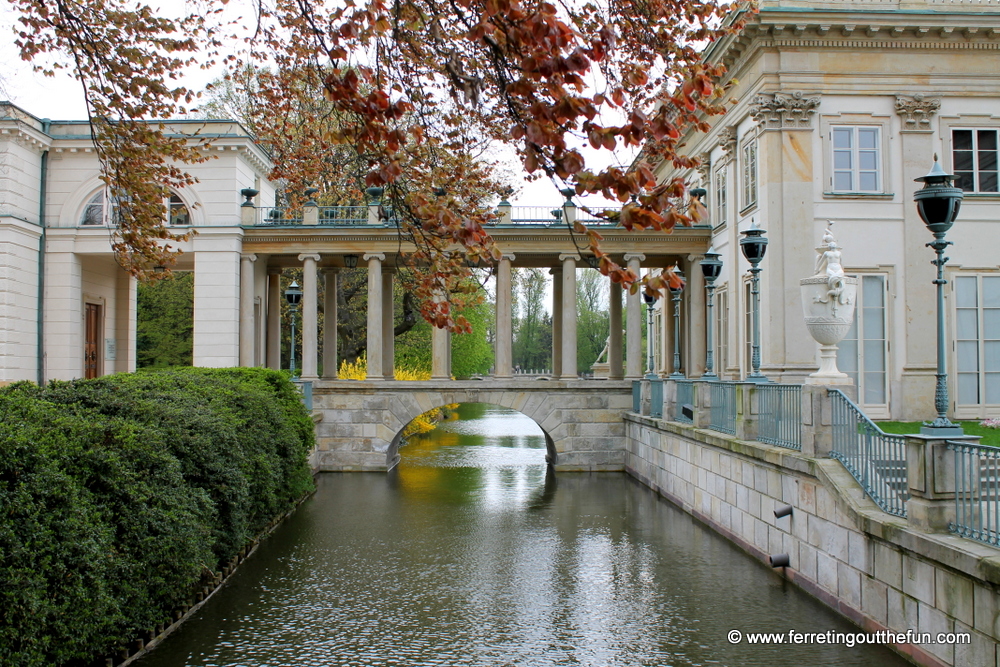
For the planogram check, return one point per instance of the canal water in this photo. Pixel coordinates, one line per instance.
(471, 553)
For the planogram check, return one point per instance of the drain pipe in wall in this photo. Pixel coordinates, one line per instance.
(46, 123)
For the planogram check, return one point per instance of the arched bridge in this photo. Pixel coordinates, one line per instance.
(361, 422)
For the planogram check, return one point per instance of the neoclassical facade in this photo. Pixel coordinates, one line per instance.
(838, 107)
(68, 310)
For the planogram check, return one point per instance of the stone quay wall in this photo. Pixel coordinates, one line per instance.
(870, 566)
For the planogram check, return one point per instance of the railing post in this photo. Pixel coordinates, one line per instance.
(669, 399)
(702, 405)
(310, 213)
(747, 411)
(646, 391)
(248, 214)
(930, 471)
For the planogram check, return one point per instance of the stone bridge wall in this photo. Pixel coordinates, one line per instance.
(360, 422)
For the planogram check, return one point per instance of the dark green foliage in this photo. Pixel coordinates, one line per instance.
(117, 495)
(165, 322)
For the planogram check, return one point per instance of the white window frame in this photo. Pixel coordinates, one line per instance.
(982, 409)
(873, 410)
(721, 197)
(854, 153)
(749, 167)
(721, 361)
(976, 165)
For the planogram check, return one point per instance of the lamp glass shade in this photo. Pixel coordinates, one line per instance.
(293, 294)
(351, 261)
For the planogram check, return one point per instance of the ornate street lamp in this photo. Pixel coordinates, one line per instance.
(293, 295)
(938, 203)
(675, 294)
(650, 300)
(711, 268)
(351, 261)
(754, 245)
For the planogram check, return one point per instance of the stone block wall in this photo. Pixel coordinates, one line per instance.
(868, 565)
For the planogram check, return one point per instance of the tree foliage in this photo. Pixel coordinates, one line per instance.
(165, 322)
(532, 347)
(410, 85)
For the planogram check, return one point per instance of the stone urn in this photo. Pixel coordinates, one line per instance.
(828, 300)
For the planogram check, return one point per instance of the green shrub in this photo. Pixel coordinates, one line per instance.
(118, 494)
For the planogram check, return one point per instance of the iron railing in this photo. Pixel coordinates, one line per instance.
(977, 492)
(637, 397)
(343, 215)
(278, 215)
(780, 415)
(723, 411)
(685, 396)
(656, 398)
(875, 458)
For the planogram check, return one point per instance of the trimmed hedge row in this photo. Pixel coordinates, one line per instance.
(120, 494)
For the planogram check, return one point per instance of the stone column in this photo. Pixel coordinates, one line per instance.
(330, 361)
(310, 316)
(917, 336)
(246, 309)
(695, 323)
(503, 359)
(374, 315)
(557, 289)
(786, 178)
(388, 326)
(568, 316)
(273, 353)
(615, 370)
(440, 353)
(633, 323)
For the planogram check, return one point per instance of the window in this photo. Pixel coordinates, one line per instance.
(749, 174)
(977, 340)
(721, 210)
(96, 212)
(721, 330)
(974, 159)
(863, 352)
(856, 163)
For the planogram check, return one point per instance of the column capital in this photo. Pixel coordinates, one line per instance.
(629, 256)
(249, 257)
(784, 111)
(380, 256)
(695, 258)
(389, 270)
(563, 256)
(274, 270)
(309, 255)
(330, 270)
(916, 112)
(554, 270)
(509, 256)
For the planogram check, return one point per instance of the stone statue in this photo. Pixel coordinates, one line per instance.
(828, 303)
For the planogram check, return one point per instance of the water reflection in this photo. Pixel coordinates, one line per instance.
(472, 553)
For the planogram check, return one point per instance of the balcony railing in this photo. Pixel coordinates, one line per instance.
(977, 492)
(723, 411)
(875, 458)
(685, 396)
(780, 407)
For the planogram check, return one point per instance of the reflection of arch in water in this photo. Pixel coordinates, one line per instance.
(392, 454)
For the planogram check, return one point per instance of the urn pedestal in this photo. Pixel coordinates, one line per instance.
(829, 312)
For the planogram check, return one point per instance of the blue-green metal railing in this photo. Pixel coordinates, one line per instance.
(723, 411)
(279, 215)
(875, 458)
(343, 215)
(656, 398)
(685, 396)
(780, 414)
(977, 492)
(637, 397)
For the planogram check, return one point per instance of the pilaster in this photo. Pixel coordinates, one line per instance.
(246, 309)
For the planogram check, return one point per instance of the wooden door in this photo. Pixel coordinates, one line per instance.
(91, 341)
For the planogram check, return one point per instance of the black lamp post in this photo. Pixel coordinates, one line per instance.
(351, 261)
(754, 245)
(938, 203)
(711, 268)
(675, 294)
(650, 300)
(293, 295)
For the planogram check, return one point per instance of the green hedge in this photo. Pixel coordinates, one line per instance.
(118, 495)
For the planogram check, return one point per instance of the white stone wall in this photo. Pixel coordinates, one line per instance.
(20, 175)
(866, 564)
(217, 298)
(18, 300)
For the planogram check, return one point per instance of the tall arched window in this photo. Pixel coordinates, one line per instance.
(94, 213)
(177, 211)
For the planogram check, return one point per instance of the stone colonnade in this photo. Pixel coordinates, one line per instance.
(380, 342)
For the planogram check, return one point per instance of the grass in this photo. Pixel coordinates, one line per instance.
(991, 436)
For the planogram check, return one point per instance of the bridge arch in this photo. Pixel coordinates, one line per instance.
(359, 422)
(392, 454)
